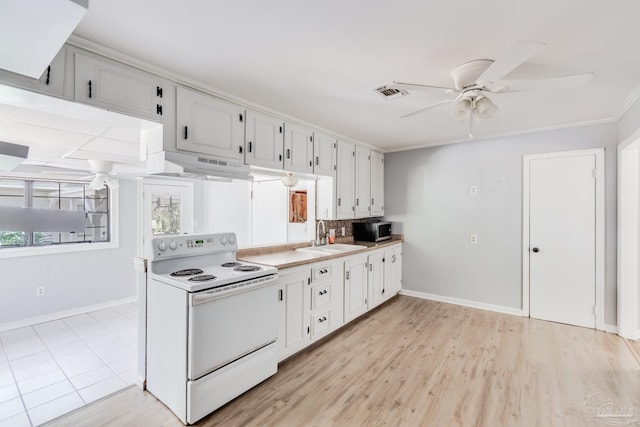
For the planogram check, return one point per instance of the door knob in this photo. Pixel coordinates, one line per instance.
(536, 250)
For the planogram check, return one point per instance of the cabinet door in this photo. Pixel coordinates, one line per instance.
(294, 328)
(209, 125)
(263, 141)
(51, 82)
(298, 147)
(363, 182)
(375, 278)
(345, 181)
(355, 288)
(377, 184)
(324, 150)
(392, 270)
(114, 86)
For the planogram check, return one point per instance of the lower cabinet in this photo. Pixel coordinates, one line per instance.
(310, 305)
(318, 298)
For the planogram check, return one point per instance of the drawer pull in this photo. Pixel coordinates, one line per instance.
(322, 292)
(322, 319)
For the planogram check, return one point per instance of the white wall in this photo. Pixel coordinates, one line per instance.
(72, 280)
(427, 198)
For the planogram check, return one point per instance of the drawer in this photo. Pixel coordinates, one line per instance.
(320, 322)
(323, 272)
(320, 296)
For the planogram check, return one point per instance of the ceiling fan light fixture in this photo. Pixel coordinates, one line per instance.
(461, 109)
(484, 108)
(100, 180)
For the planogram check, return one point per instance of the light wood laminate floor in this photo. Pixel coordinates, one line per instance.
(414, 362)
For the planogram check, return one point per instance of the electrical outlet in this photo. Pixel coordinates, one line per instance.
(40, 291)
(473, 190)
(473, 239)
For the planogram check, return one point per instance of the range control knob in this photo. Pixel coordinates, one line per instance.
(162, 246)
(231, 239)
(223, 240)
(173, 245)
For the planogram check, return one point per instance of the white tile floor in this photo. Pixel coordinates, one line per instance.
(52, 368)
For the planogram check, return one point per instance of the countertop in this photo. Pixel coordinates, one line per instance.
(285, 256)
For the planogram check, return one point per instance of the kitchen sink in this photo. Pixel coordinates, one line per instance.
(338, 248)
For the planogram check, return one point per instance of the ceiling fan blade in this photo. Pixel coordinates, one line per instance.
(407, 86)
(510, 60)
(428, 107)
(572, 81)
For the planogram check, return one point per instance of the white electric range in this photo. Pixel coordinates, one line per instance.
(211, 323)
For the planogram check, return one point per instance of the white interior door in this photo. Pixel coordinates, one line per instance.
(562, 238)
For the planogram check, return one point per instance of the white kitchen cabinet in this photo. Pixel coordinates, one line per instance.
(117, 87)
(264, 140)
(355, 287)
(392, 270)
(377, 184)
(326, 298)
(294, 295)
(345, 181)
(298, 147)
(50, 83)
(363, 182)
(375, 278)
(324, 150)
(208, 125)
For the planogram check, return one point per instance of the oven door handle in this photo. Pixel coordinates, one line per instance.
(207, 296)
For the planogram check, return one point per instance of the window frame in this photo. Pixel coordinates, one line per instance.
(113, 243)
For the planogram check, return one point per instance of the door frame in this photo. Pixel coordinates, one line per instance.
(628, 271)
(600, 230)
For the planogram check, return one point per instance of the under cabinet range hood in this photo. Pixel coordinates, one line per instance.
(33, 32)
(198, 166)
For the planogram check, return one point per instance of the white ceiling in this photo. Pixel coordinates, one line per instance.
(319, 61)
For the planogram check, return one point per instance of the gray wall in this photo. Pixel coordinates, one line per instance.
(74, 279)
(427, 198)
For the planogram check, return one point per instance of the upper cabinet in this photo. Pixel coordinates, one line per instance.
(345, 181)
(298, 147)
(324, 150)
(363, 182)
(117, 87)
(377, 184)
(208, 125)
(51, 82)
(264, 140)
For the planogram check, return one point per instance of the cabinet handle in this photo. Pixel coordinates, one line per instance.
(89, 89)
(158, 91)
(322, 292)
(288, 153)
(280, 129)
(317, 161)
(310, 163)
(383, 292)
(347, 275)
(322, 319)
(370, 267)
(240, 149)
(249, 146)
(281, 295)
(372, 202)
(48, 75)
(339, 201)
(357, 202)
(240, 117)
(279, 157)
(159, 109)
(186, 132)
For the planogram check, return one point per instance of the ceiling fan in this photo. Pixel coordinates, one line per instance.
(474, 80)
(102, 173)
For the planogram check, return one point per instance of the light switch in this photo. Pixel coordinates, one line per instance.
(473, 239)
(473, 190)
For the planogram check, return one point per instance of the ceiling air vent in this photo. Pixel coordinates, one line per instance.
(390, 93)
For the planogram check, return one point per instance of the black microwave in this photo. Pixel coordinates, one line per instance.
(371, 231)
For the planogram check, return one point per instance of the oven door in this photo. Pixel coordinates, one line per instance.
(225, 325)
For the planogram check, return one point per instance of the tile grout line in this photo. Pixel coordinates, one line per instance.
(15, 380)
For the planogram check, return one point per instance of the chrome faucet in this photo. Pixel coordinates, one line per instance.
(320, 240)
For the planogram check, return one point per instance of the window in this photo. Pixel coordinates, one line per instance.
(44, 213)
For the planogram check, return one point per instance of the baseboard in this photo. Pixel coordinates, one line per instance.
(66, 313)
(463, 302)
(611, 328)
